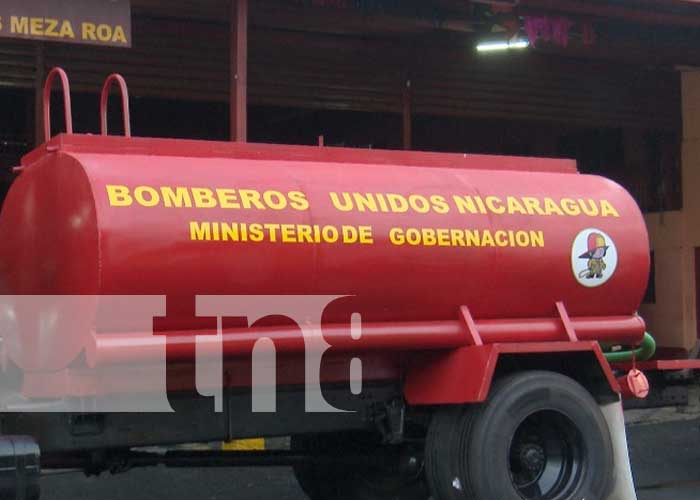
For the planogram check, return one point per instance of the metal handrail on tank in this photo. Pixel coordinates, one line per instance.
(104, 98)
(66, 101)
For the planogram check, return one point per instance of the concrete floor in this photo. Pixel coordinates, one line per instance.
(665, 459)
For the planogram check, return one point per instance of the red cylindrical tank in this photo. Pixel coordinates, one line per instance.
(411, 237)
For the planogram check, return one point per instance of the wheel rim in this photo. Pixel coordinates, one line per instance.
(546, 457)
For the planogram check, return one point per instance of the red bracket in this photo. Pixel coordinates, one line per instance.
(468, 319)
(561, 309)
(104, 99)
(66, 102)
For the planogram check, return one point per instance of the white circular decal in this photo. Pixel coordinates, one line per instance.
(593, 257)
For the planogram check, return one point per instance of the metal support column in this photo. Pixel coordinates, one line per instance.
(239, 70)
(407, 130)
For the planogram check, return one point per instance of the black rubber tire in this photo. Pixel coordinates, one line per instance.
(338, 482)
(469, 449)
(441, 455)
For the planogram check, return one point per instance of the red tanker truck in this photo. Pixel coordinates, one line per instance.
(455, 305)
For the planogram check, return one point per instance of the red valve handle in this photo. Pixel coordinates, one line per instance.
(115, 77)
(66, 101)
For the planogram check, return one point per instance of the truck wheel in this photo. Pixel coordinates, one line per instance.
(539, 436)
(442, 452)
(336, 481)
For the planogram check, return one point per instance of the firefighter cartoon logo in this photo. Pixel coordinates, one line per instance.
(593, 257)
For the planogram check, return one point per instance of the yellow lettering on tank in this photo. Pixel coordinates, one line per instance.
(119, 196)
(487, 239)
(146, 196)
(229, 232)
(472, 238)
(501, 238)
(397, 203)
(551, 208)
(250, 198)
(607, 209)
(590, 209)
(256, 233)
(514, 206)
(533, 206)
(366, 237)
(419, 204)
(537, 238)
(275, 200)
(203, 197)
(344, 205)
(365, 202)
(176, 198)
(298, 201)
(227, 198)
(570, 207)
(495, 205)
(465, 204)
(200, 231)
(396, 236)
(439, 204)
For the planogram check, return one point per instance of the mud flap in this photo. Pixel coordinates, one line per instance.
(623, 484)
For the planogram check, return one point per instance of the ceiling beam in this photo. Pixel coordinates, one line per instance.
(591, 9)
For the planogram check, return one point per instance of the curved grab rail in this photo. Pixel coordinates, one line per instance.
(104, 98)
(66, 101)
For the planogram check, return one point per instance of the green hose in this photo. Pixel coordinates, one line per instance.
(642, 353)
